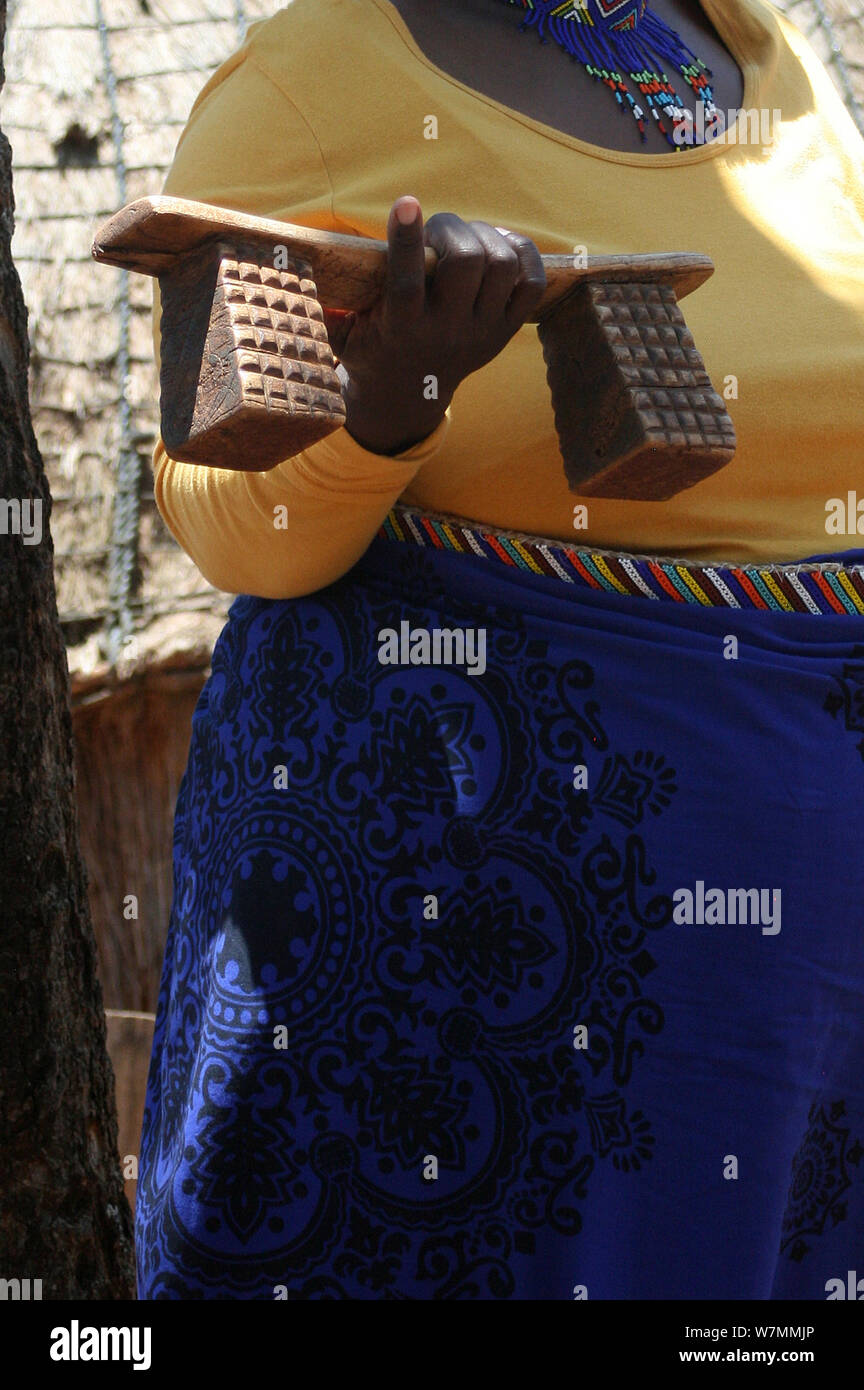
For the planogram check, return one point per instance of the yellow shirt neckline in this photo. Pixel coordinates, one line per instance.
(734, 40)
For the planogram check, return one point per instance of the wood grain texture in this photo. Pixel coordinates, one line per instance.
(150, 234)
(248, 376)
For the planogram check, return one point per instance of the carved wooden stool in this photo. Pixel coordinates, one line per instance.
(248, 376)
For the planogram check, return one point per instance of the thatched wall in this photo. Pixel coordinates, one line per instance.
(98, 94)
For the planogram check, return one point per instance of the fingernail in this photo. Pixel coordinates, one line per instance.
(406, 214)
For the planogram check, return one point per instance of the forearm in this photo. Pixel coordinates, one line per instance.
(390, 426)
(293, 529)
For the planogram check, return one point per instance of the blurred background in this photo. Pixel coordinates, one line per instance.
(96, 96)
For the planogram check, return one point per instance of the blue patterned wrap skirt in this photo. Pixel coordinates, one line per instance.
(543, 981)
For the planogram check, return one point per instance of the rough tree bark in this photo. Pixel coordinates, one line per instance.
(63, 1216)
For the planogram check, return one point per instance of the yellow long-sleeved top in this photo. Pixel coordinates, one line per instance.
(321, 119)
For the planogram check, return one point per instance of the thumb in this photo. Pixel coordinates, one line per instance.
(339, 323)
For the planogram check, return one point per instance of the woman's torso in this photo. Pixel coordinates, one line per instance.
(780, 325)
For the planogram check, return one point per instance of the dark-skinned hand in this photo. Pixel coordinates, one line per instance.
(403, 358)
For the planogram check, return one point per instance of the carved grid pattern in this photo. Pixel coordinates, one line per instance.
(283, 353)
(656, 355)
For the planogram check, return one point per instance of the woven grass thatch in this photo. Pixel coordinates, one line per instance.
(97, 96)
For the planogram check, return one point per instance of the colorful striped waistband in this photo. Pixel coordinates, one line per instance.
(807, 587)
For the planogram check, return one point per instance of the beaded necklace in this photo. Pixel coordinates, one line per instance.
(609, 37)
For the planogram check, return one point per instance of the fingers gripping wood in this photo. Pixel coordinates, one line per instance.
(248, 375)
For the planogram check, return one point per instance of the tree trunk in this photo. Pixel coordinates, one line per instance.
(63, 1217)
